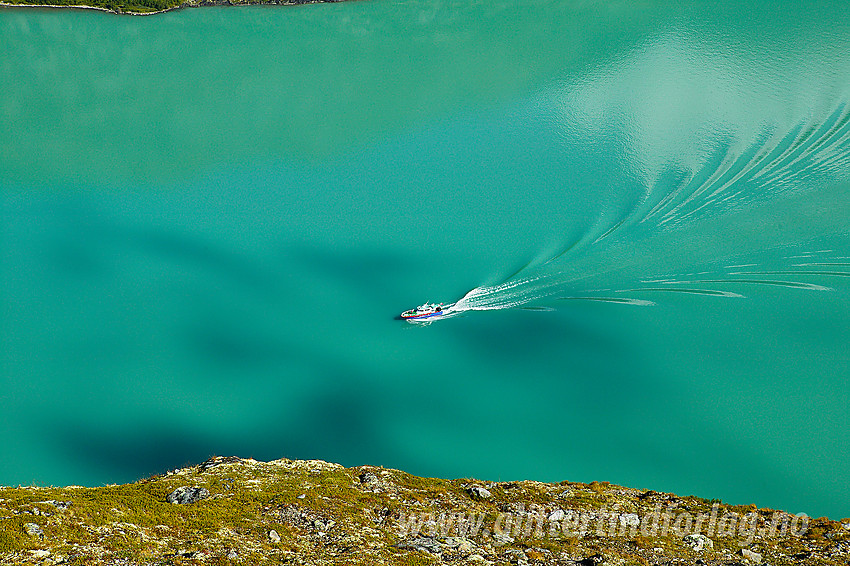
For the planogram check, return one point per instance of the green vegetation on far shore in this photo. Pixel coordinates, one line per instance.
(140, 7)
(116, 6)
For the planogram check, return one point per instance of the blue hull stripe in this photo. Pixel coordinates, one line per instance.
(424, 315)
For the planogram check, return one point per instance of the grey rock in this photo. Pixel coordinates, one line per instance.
(557, 515)
(33, 530)
(186, 495)
(594, 560)
(698, 542)
(422, 544)
(231, 554)
(502, 538)
(367, 477)
(322, 525)
(273, 536)
(478, 492)
(630, 520)
(751, 556)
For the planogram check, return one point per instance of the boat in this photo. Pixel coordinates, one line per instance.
(424, 312)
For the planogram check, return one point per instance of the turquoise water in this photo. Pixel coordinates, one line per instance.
(212, 217)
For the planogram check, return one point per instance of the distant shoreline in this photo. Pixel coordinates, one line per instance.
(185, 4)
(83, 7)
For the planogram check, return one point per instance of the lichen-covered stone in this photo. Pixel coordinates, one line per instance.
(185, 495)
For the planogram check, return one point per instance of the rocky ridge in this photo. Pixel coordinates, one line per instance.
(230, 510)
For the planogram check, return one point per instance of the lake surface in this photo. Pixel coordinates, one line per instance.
(209, 220)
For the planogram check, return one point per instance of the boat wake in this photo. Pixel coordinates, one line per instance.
(718, 202)
(631, 256)
(736, 281)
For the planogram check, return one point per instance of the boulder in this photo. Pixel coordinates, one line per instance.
(186, 495)
(594, 560)
(367, 477)
(478, 492)
(698, 542)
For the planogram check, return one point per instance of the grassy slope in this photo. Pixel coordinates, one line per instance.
(325, 513)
